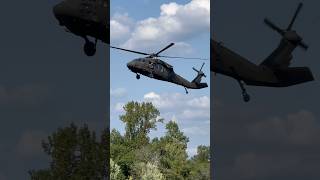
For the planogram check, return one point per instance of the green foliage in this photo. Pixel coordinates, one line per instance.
(172, 149)
(115, 171)
(200, 164)
(75, 154)
(161, 158)
(147, 171)
(139, 118)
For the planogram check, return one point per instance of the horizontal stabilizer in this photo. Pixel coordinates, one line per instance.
(294, 75)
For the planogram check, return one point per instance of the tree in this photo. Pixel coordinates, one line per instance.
(115, 171)
(200, 164)
(75, 154)
(203, 154)
(139, 119)
(147, 171)
(172, 149)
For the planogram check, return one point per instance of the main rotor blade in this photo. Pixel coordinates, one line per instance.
(303, 45)
(295, 16)
(273, 26)
(177, 57)
(137, 52)
(171, 44)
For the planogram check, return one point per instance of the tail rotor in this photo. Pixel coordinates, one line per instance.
(288, 33)
(200, 71)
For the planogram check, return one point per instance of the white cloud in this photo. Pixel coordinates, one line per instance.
(191, 152)
(118, 93)
(120, 27)
(176, 23)
(201, 102)
(181, 106)
(197, 130)
(119, 107)
(195, 114)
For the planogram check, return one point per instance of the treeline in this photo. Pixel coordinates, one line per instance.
(77, 153)
(135, 156)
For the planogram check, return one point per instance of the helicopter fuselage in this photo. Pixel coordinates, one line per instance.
(85, 18)
(160, 70)
(231, 64)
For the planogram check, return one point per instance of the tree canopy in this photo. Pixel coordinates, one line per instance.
(76, 153)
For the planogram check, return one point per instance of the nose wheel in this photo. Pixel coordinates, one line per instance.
(138, 76)
(90, 47)
(245, 95)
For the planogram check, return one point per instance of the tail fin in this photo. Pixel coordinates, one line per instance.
(198, 78)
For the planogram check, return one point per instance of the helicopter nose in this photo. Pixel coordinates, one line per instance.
(130, 65)
(60, 10)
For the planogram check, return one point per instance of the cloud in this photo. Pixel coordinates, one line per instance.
(201, 102)
(297, 128)
(120, 27)
(119, 107)
(118, 93)
(192, 151)
(176, 23)
(29, 144)
(180, 106)
(197, 130)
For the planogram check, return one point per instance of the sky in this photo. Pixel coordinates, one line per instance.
(275, 135)
(149, 26)
(46, 82)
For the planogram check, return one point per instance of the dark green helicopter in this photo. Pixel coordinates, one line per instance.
(151, 66)
(85, 18)
(274, 71)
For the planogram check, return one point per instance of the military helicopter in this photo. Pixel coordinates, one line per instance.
(85, 18)
(274, 71)
(152, 67)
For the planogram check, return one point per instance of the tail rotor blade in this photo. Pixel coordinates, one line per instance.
(196, 70)
(202, 66)
(273, 26)
(295, 16)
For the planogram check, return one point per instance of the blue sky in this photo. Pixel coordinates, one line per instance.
(149, 26)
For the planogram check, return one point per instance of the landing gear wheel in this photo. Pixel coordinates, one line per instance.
(138, 76)
(246, 97)
(89, 48)
(186, 90)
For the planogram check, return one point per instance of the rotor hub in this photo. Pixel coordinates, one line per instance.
(292, 36)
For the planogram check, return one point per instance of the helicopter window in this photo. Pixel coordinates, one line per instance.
(162, 69)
